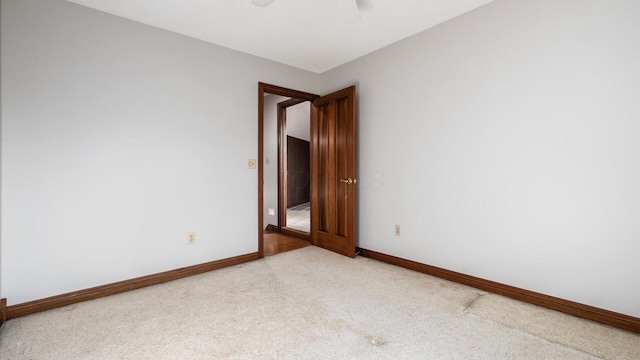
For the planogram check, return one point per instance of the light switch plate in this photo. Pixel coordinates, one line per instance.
(251, 164)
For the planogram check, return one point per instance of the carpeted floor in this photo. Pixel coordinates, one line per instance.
(310, 304)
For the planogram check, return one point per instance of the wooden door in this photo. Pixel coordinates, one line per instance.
(298, 170)
(333, 172)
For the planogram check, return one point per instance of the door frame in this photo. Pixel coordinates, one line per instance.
(264, 89)
(283, 166)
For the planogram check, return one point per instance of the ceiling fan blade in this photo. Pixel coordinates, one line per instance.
(349, 11)
(262, 3)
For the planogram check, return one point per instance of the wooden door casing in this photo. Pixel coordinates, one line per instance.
(296, 96)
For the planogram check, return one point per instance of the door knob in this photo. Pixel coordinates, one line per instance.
(349, 181)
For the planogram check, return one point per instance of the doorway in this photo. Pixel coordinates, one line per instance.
(294, 167)
(287, 165)
(330, 174)
(277, 108)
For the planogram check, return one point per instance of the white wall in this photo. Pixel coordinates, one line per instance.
(299, 121)
(117, 140)
(270, 190)
(506, 144)
(1, 26)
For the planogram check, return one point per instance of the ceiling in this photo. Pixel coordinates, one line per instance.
(308, 34)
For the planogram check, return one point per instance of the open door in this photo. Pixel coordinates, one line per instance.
(333, 172)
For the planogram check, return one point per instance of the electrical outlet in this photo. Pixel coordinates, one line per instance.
(272, 212)
(397, 230)
(191, 238)
(251, 163)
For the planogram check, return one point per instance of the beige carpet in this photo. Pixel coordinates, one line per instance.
(310, 304)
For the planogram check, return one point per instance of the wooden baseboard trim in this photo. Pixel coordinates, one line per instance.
(31, 307)
(3, 311)
(296, 233)
(588, 312)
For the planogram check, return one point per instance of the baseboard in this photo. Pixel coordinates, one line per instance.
(296, 233)
(289, 231)
(31, 307)
(3, 311)
(588, 312)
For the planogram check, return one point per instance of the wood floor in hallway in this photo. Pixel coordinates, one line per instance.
(275, 243)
